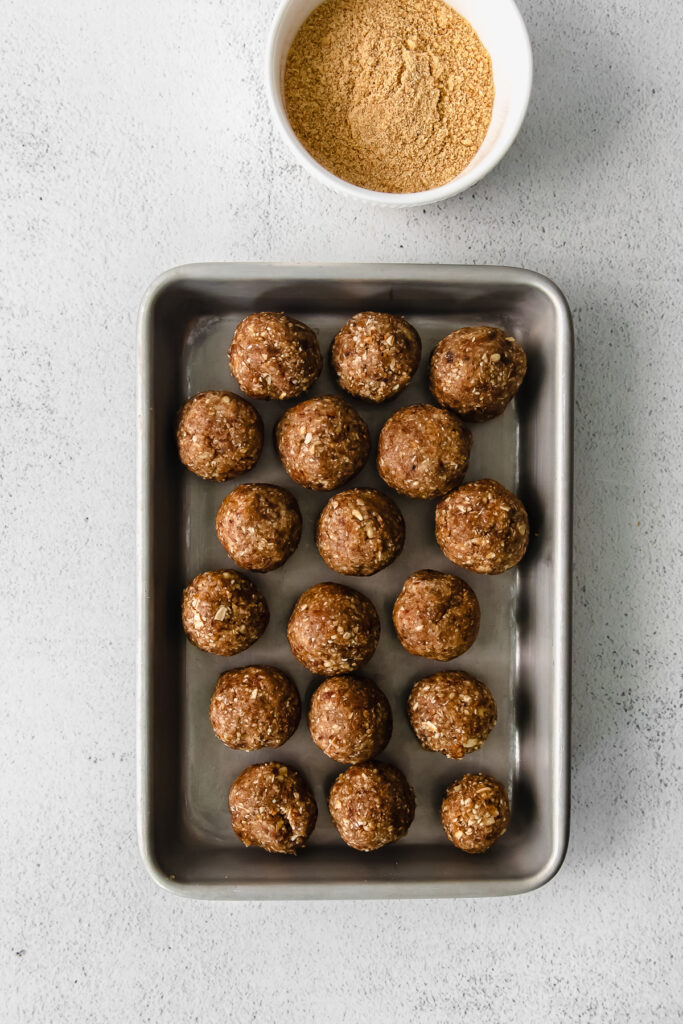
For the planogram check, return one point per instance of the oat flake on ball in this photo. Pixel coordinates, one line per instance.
(375, 355)
(322, 442)
(333, 629)
(274, 356)
(259, 525)
(254, 707)
(223, 613)
(476, 371)
(271, 806)
(219, 435)
(360, 531)
(482, 527)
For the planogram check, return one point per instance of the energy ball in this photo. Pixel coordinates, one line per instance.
(371, 805)
(360, 532)
(259, 525)
(322, 442)
(451, 713)
(254, 707)
(349, 719)
(333, 629)
(436, 615)
(220, 435)
(475, 812)
(423, 451)
(375, 355)
(223, 613)
(273, 356)
(483, 527)
(271, 806)
(476, 371)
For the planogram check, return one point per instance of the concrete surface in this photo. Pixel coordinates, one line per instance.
(135, 136)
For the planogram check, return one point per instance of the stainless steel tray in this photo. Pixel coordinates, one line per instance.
(186, 323)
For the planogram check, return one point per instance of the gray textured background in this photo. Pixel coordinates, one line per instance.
(135, 136)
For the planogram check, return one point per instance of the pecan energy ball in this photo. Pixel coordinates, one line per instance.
(360, 532)
(271, 806)
(259, 525)
(436, 615)
(375, 355)
(451, 713)
(476, 371)
(483, 527)
(223, 612)
(349, 719)
(322, 442)
(220, 435)
(475, 812)
(333, 629)
(273, 356)
(371, 805)
(254, 707)
(423, 451)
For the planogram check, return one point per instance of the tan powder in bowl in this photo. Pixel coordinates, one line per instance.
(391, 95)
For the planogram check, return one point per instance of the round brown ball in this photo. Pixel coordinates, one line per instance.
(271, 806)
(475, 812)
(254, 707)
(333, 629)
(322, 442)
(259, 525)
(423, 451)
(360, 532)
(371, 805)
(482, 527)
(349, 719)
(273, 356)
(436, 615)
(476, 371)
(223, 612)
(451, 713)
(375, 355)
(220, 435)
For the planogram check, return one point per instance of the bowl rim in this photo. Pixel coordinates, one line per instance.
(463, 181)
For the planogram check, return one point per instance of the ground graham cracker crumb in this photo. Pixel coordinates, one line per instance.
(391, 95)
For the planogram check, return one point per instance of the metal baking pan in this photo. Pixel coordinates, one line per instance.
(523, 650)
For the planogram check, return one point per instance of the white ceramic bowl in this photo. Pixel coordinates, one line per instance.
(501, 29)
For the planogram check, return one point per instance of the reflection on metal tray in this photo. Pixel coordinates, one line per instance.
(522, 652)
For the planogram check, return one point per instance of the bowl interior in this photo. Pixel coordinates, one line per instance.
(501, 29)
